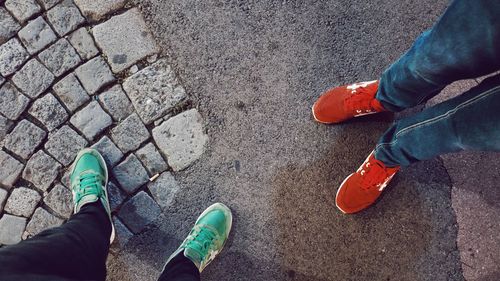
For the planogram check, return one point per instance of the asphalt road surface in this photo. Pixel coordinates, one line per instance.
(254, 68)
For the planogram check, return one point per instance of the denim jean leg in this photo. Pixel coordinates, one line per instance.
(470, 121)
(462, 44)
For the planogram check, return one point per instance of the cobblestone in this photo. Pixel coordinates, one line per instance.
(12, 56)
(97, 9)
(2, 80)
(22, 202)
(5, 125)
(91, 120)
(11, 229)
(12, 102)
(164, 189)
(130, 174)
(47, 4)
(41, 170)
(33, 79)
(125, 40)
(130, 133)
(41, 221)
(22, 9)
(11, 169)
(94, 75)
(65, 17)
(64, 144)
(24, 139)
(116, 196)
(60, 57)
(70, 92)
(3, 198)
(37, 35)
(83, 43)
(182, 139)
(49, 111)
(151, 159)
(123, 235)
(116, 103)
(154, 91)
(60, 200)
(109, 151)
(139, 212)
(8, 24)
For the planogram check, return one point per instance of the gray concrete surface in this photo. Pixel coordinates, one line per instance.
(255, 68)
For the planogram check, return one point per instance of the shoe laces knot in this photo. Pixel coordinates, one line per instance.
(88, 184)
(202, 240)
(375, 175)
(360, 101)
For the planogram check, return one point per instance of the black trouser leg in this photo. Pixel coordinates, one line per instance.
(76, 250)
(180, 268)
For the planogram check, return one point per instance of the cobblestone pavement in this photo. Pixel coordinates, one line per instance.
(77, 74)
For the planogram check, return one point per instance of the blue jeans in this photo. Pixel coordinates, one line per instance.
(463, 44)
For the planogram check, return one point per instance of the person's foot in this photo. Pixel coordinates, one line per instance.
(345, 102)
(208, 236)
(89, 177)
(362, 188)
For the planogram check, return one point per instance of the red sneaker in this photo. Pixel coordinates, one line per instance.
(348, 101)
(362, 188)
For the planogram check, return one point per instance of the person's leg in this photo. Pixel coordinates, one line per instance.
(76, 250)
(470, 121)
(203, 244)
(462, 44)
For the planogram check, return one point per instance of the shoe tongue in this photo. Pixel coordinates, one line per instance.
(194, 256)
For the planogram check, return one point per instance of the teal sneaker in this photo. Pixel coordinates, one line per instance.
(208, 236)
(89, 178)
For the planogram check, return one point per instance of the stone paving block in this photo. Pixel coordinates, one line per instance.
(41, 170)
(12, 56)
(41, 221)
(47, 4)
(70, 92)
(125, 40)
(5, 125)
(94, 74)
(97, 9)
(116, 103)
(33, 79)
(12, 102)
(139, 212)
(116, 196)
(60, 57)
(182, 139)
(24, 138)
(11, 169)
(109, 151)
(130, 133)
(65, 17)
(49, 111)
(164, 189)
(11, 229)
(3, 198)
(22, 202)
(123, 235)
(151, 159)
(91, 120)
(65, 179)
(130, 174)
(9, 26)
(22, 9)
(60, 200)
(83, 42)
(64, 144)
(2, 80)
(37, 35)
(154, 91)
